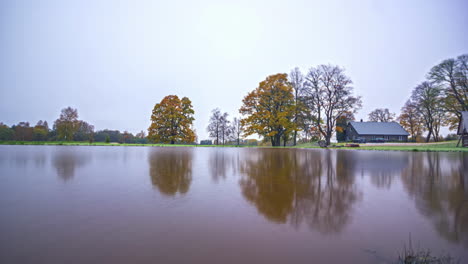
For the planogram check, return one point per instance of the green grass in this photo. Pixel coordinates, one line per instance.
(449, 146)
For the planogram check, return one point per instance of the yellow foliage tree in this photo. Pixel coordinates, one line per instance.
(269, 109)
(171, 121)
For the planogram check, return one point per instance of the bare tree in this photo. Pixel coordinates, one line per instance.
(427, 98)
(381, 115)
(236, 130)
(218, 126)
(296, 78)
(224, 127)
(452, 76)
(215, 123)
(331, 95)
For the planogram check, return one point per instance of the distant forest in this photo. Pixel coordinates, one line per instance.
(67, 128)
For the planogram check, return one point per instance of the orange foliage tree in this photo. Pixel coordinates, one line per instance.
(411, 119)
(171, 121)
(269, 109)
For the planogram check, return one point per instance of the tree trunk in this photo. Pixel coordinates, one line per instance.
(172, 142)
(295, 137)
(428, 136)
(327, 139)
(276, 140)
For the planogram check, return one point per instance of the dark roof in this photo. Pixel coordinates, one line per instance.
(463, 122)
(379, 128)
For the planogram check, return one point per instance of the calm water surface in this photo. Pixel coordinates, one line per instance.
(65, 204)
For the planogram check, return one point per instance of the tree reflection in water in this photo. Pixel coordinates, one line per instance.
(67, 160)
(171, 169)
(219, 162)
(439, 186)
(382, 167)
(300, 186)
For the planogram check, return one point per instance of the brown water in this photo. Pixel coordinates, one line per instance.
(64, 204)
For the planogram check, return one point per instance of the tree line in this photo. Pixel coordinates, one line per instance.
(282, 109)
(67, 128)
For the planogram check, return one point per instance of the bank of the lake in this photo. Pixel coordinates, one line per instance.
(449, 146)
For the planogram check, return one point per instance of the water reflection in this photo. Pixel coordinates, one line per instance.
(66, 160)
(171, 169)
(220, 161)
(300, 186)
(439, 186)
(382, 168)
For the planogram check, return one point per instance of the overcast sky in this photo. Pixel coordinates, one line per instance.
(114, 60)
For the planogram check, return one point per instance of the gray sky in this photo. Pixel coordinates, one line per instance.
(114, 60)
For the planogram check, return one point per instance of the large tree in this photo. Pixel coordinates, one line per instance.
(451, 76)
(171, 121)
(67, 124)
(428, 100)
(269, 109)
(411, 119)
(381, 115)
(330, 96)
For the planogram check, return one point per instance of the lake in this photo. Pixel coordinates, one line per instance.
(78, 204)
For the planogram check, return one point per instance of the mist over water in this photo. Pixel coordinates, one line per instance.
(76, 204)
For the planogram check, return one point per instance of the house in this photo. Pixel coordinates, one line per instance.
(390, 131)
(463, 129)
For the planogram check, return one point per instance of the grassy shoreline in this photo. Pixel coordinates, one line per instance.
(449, 146)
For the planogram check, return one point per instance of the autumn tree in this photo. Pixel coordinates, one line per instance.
(126, 136)
(67, 124)
(381, 115)
(40, 131)
(451, 76)
(171, 121)
(23, 131)
(411, 119)
(341, 124)
(427, 99)
(269, 109)
(331, 95)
